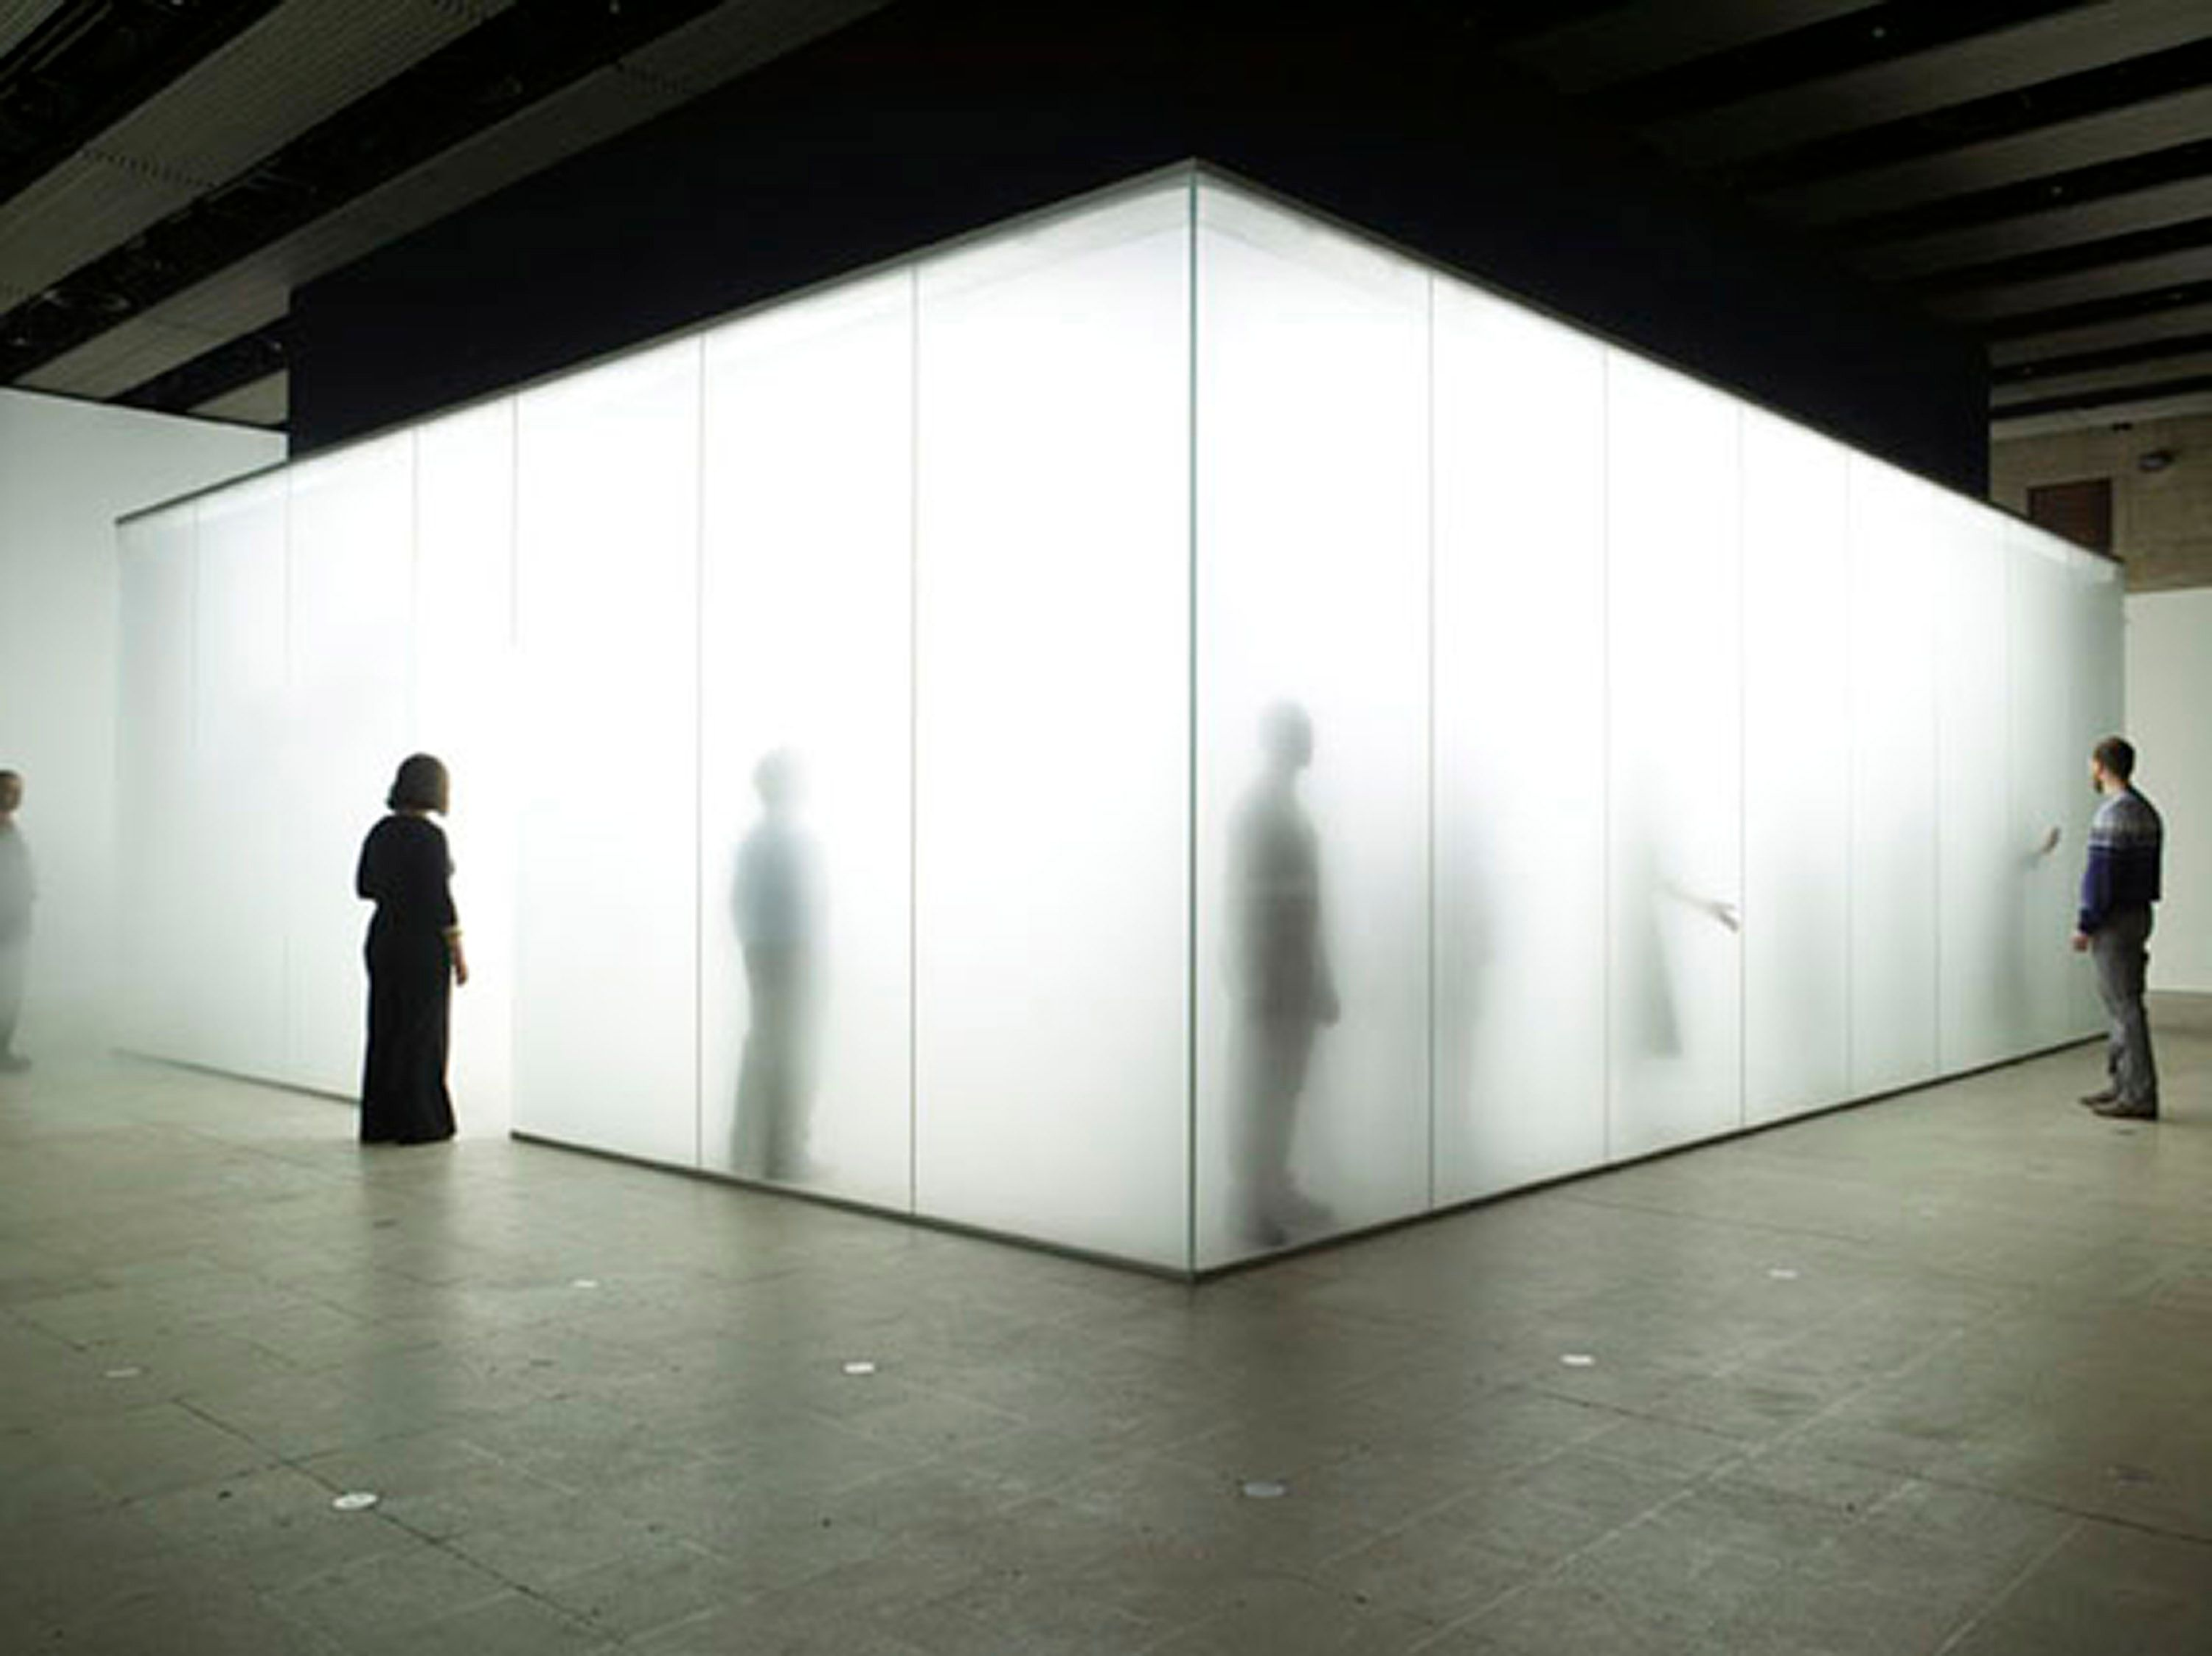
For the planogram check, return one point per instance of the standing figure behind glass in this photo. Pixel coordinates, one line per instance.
(19, 890)
(778, 919)
(414, 958)
(1283, 987)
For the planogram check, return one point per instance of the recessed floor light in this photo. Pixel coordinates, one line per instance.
(356, 1500)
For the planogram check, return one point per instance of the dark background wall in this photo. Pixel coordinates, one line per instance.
(935, 116)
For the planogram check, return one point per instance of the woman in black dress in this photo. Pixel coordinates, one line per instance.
(415, 958)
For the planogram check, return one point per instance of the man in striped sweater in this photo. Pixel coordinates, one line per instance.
(2119, 885)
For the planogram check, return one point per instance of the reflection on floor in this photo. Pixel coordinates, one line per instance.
(1926, 1376)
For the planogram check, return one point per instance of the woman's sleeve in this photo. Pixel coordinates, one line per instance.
(438, 881)
(367, 876)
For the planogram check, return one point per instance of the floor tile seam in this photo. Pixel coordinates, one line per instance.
(1881, 1251)
(1546, 1573)
(1428, 1514)
(1707, 1222)
(1997, 1600)
(1763, 1227)
(1920, 1359)
(445, 1545)
(1936, 1479)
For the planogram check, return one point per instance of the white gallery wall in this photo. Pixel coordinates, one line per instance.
(1167, 729)
(68, 470)
(2169, 668)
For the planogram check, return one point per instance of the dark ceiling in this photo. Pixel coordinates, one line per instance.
(2039, 172)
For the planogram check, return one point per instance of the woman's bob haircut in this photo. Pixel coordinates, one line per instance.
(420, 785)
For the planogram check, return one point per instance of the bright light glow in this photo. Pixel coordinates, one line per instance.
(1519, 488)
(1312, 945)
(155, 785)
(464, 710)
(2050, 783)
(1979, 865)
(607, 904)
(1051, 731)
(1896, 538)
(349, 636)
(806, 766)
(2095, 654)
(1675, 760)
(1797, 797)
(235, 806)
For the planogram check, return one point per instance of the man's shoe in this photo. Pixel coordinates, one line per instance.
(2103, 1095)
(2116, 1112)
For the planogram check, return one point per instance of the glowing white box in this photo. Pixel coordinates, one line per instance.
(1657, 766)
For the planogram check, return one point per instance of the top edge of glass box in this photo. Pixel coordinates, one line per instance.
(1190, 193)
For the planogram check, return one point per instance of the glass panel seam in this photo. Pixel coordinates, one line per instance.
(1191, 736)
(1742, 786)
(1429, 905)
(699, 764)
(914, 739)
(1604, 750)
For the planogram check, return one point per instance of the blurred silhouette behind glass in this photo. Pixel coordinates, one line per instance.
(415, 958)
(18, 890)
(778, 913)
(1652, 896)
(1280, 980)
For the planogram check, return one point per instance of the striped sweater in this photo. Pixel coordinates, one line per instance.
(2122, 872)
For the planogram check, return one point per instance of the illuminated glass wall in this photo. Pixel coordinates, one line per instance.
(1052, 709)
(1168, 730)
(1798, 824)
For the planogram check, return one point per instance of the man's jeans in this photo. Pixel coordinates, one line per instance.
(2118, 949)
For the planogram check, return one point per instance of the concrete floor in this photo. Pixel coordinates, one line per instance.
(1930, 1375)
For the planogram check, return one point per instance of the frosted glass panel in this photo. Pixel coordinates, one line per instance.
(464, 697)
(607, 906)
(806, 785)
(1053, 719)
(1674, 815)
(349, 641)
(1980, 864)
(157, 878)
(1313, 663)
(1520, 665)
(1899, 542)
(1797, 801)
(236, 986)
(2050, 782)
(2100, 696)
